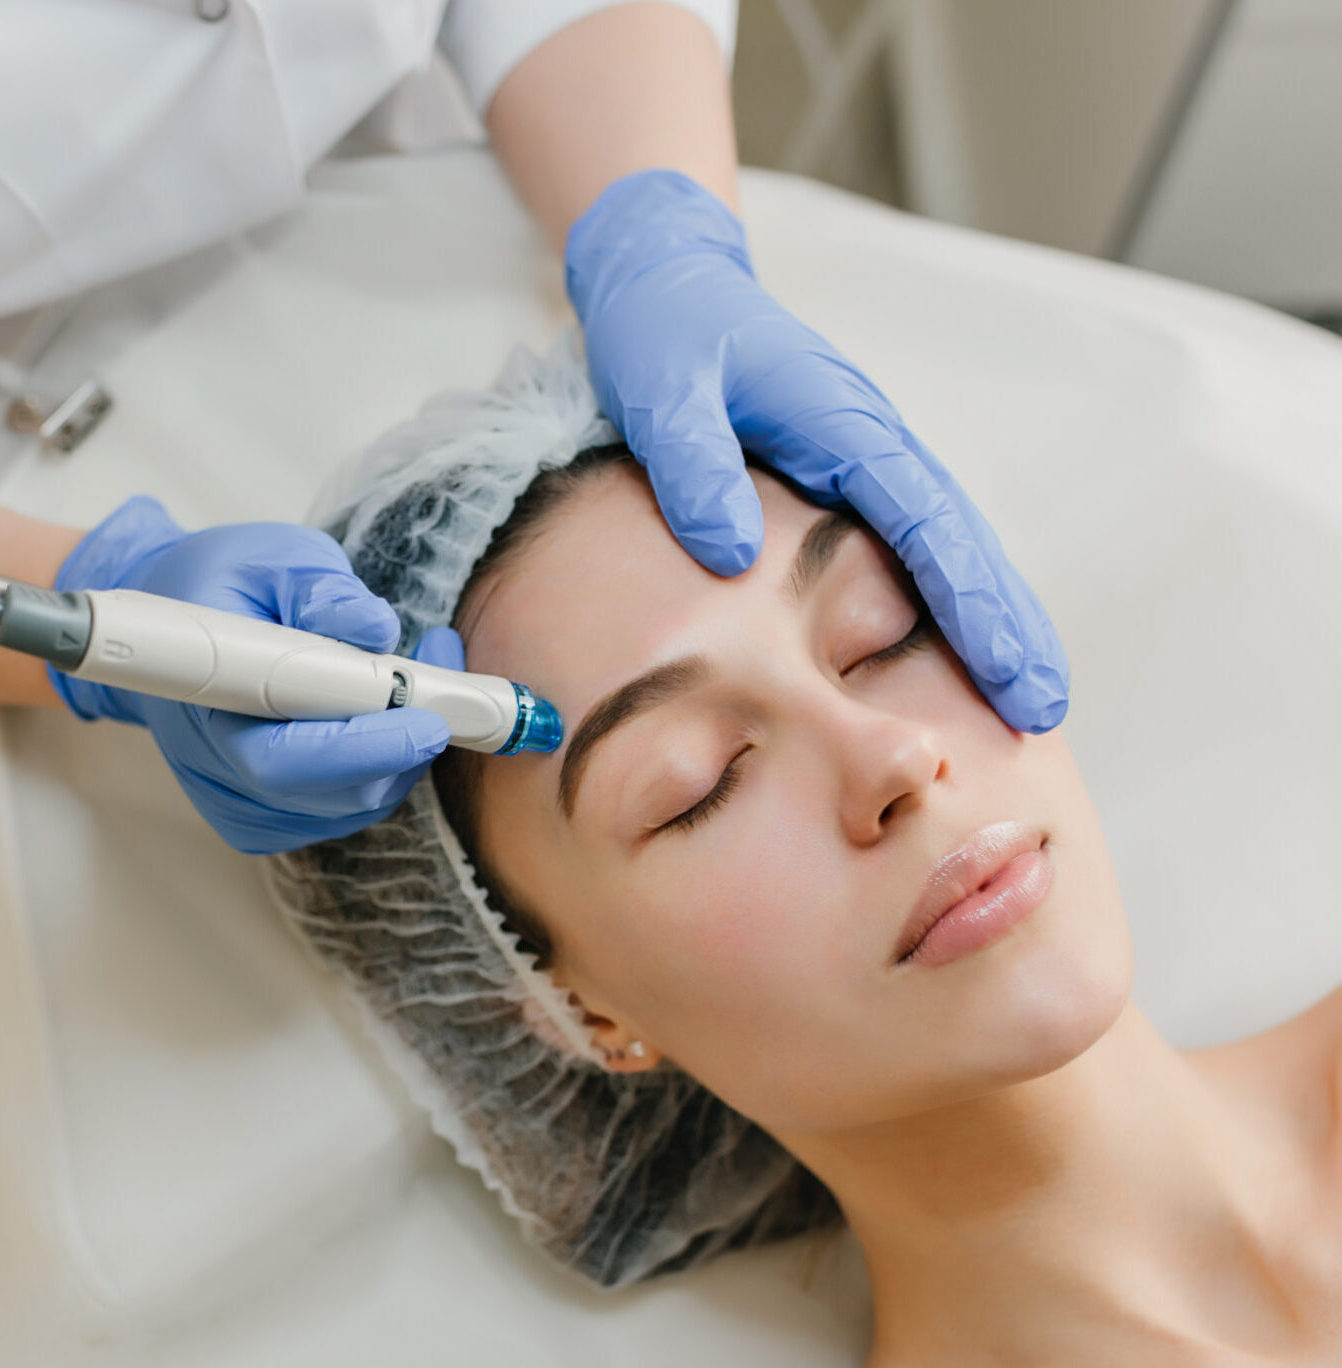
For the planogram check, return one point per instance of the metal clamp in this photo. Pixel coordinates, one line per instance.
(62, 426)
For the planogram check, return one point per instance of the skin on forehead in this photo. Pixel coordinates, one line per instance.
(636, 570)
(590, 612)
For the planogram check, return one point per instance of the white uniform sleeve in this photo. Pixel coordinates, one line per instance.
(485, 39)
(133, 133)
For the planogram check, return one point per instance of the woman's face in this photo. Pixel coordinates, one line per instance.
(744, 925)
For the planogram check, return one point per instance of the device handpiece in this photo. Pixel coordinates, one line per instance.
(183, 651)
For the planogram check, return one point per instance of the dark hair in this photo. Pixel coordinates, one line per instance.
(456, 772)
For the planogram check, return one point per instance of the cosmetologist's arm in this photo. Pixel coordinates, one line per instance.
(629, 87)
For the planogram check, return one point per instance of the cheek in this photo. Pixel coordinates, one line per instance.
(739, 938)
(709, 942)
(765, 890)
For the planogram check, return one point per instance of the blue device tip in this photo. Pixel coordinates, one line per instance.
(546, 729)
(538, 724)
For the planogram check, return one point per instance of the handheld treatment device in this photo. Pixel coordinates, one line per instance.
(183, 651)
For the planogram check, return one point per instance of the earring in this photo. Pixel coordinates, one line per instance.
(636, 1049)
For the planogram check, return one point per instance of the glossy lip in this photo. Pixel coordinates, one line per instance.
(963, 872)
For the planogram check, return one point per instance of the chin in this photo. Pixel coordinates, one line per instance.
(1048, 1008)
(1062, 997)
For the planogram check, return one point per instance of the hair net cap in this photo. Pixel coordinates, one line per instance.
(617, 1175)
(416, 511)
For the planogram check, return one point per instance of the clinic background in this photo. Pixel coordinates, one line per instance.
(1200, 139)
(1197, 138)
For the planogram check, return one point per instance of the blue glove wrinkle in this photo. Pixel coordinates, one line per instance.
(931, 537)
(308, 759)
(723, 557)
(138, 528)
(698, 473)
(441, 646)
(362, 619)
(89, 702)
(654, 216)
(1050, 714)
(990, 640)
(1036, 700)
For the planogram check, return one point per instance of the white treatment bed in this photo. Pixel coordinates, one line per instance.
(202, 1163)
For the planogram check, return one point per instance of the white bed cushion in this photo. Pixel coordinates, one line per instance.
(202, 1161)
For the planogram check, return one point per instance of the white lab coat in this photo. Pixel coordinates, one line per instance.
(134, 131)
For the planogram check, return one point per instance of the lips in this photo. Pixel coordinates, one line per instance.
(963, 872)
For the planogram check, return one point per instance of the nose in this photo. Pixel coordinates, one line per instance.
(887, 764)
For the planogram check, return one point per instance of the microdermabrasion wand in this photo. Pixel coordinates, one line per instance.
(171, 649)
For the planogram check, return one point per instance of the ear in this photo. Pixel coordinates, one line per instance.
(624, 1048)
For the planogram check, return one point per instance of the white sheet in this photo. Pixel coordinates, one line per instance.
(200, 1160)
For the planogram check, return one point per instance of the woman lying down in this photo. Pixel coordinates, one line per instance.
(680, 987)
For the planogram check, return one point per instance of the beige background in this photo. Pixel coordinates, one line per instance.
(1027, 117)
(1196, 138)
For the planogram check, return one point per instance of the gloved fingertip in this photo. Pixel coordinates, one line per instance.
(989, 642)
(428, 732)
(441, 646)
(1026, 707)
(361, 619)
(1049, 716)
(708, 499)
(723, 557)
(727, 548)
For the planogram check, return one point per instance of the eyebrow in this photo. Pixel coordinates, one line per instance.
(665, 682)
(818, 547)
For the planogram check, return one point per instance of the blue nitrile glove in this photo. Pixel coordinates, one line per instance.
(691, 359)
(263, 786)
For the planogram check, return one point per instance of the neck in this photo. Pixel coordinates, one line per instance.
(1123, 1191)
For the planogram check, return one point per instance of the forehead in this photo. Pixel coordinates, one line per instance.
(605, 591)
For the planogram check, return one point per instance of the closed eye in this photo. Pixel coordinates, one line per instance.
(713, 799)
(914, 639)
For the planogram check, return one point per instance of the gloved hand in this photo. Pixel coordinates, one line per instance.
(691, 360)
(263, 786)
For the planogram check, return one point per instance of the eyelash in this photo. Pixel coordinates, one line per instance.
(912, 640)
(730, 778)
(714, 798)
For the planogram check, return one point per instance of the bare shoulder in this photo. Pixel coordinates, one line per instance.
(1295, 1065)
(1330, 1015)
(1325, 1023)
(1316, 1033)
